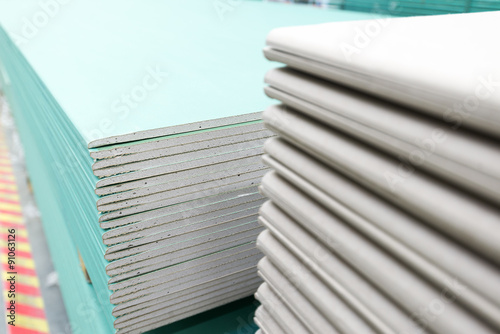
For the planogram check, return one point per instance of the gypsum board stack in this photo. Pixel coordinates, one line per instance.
(336, 222)
(214, 302)
(407, 253)
(173, 142)
(223, 268)
(460, 157)
(457, 84)
(180, 214)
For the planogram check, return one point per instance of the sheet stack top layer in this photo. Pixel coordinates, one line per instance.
(166, 65)
(404, 60)
(381, 218)
(170, 115)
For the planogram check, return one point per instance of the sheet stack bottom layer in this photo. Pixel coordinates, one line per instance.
(179, 208)
(380, 219)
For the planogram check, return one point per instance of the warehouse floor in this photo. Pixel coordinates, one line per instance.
(32, 315)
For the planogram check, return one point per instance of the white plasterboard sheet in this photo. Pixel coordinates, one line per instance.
(185, 229)
(427, 62)
(266, 322)
(183, 174)
(186, 312)
(163, 296)
(200, 195)
(176, 129)
(183, 210)
(200, 240)
(139, 147)
(176, 167)
(179, 158)
(176, 187)
(419, 246)
(325, 301)
(127, 234)
(363, 297)
(156, 153)
(458, 156)
(435, 202)
(388, 274)
(306, 312)
(193, 299)
(142, 299)
(281, 312)
(194, 271)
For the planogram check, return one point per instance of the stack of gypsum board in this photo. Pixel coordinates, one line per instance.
(172, 124)
(180, 213)
(398, 245)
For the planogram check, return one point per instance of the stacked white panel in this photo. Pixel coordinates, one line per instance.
(383, 212)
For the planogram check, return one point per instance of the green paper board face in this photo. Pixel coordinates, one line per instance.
(118, 68)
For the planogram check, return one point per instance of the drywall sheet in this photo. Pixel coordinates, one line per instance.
(444, 66)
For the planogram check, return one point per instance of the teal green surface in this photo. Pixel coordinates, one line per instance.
(418, 7)
(91, 54)
(62, 82)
